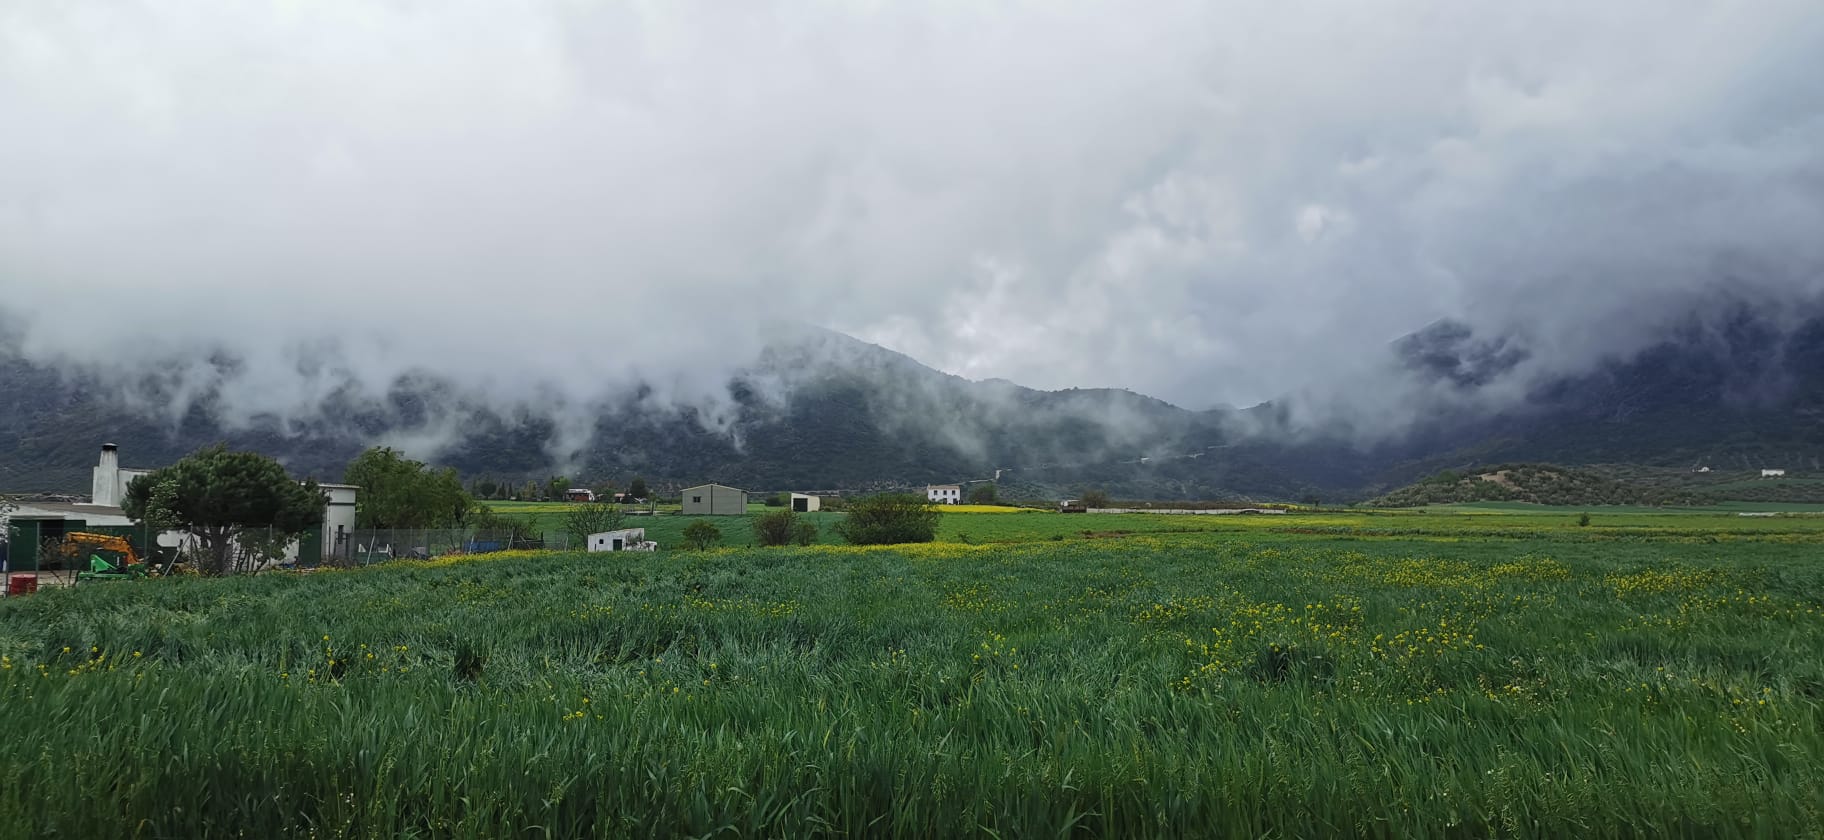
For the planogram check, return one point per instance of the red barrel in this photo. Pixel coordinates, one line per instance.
(21, 584)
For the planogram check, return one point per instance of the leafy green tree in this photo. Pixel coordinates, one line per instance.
(775, 527)
(982, 494)
(486, 488)
(636, 489)
(1095, 499)
(888, 519)
(592, 518)
(397, 492)
(161, 506)
(222, 498)
(554, 489)
(700, 535)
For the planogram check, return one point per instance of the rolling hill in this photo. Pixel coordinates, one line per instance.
(1539, 484)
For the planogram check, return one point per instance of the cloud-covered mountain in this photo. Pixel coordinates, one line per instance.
(1730, 387)
(1213, 203)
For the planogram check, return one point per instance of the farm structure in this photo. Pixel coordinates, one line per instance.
(579, 494)
(35, 523)
(714, 500)
(626, 539)
(805, 503)
(944, 494)
(1773, 473)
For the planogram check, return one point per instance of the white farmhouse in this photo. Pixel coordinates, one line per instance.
(944, 494)
(1773, 473)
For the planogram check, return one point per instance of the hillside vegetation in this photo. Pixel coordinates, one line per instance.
(1541, 484)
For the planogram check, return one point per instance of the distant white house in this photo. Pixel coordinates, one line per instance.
(805, 503)
(626, 539)
(944, 494)
(1773, 473)
(1703, 469)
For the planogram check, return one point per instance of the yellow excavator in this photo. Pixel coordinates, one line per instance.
(125, 563)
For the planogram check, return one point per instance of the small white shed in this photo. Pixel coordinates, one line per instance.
(626, 539)
(805, 503)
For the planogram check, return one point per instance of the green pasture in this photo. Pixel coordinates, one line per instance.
(1396, 674)
(1452, 522)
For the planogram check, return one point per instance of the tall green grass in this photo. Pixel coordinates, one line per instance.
(1244, 682)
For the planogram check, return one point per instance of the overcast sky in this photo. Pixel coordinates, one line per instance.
(1207, 202)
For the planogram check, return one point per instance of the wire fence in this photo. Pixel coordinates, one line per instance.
(365, 547)
(65, 554)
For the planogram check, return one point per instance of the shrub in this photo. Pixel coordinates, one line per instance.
(1095, 498)
(700, 535)
(805, 532)
(775, 528)
(888, 519)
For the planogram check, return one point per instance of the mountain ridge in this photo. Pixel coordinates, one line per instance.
(822, 410)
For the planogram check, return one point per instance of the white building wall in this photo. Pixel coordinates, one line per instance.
(339, 517)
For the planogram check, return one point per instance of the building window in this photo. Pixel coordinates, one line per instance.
(696, 500)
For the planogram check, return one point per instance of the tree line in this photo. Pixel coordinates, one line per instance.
(242, 510)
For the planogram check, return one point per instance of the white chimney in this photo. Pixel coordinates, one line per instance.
(105, 487)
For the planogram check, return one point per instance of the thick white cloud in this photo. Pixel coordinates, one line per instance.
(1206, 202)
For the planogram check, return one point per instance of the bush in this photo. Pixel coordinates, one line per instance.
(982, 494)
(1095, 499)
(889, 519)
(700, 535)
(805, 532)
(776, 500)
(775, 528)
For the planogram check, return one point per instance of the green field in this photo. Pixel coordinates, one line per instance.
(1444, 520)
(1398, 674)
